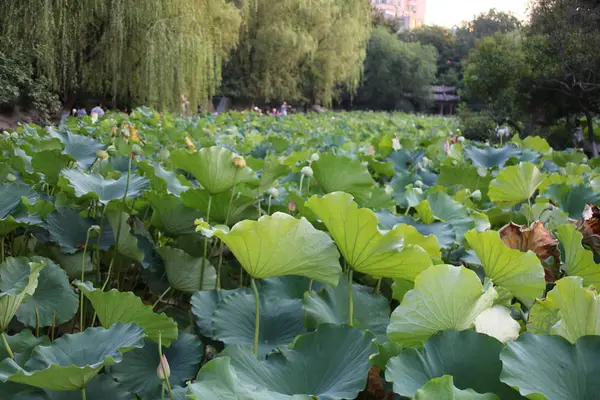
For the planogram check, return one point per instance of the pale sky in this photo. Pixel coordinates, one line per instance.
(452, 12)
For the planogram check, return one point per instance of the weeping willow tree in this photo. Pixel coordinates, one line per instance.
(298, 49)
(138, 51)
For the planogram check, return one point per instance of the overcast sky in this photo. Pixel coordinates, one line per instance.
(452, 12)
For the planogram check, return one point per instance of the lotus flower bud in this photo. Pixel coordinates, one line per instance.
(10, 177)
(273, 192)
(314, 157)
(163, 371)
(95, 228)
(418, 191)
(307, 171)
(111, 148)
(239, 162)
(446, 146)
(189, 143)
(482, 172)
(292, 206)
(476, 195)
(418, 183)
(102, 154)
(584, 160)
(461, 139)
(396, 144)
(94, 117)
(164, 154)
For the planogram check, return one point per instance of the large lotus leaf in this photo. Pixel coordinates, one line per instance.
(364, 247)
(82, 148)
(429, 243)
(49, 163)
(213, 167)
(520, 273)
(184, 272)
(204, 304)
(329, 364)
(280, 245)
(289, 287)
(281, 320)
(577, 260)
(534, 143)
(67, 228)
(22, 344)
(572, 198)
(54, 298)
(489, 157)
(125, 307)
(444, 297)
(570, 310)
(18, 281)
(128, 243)
(403, 159)
(71, 361)
(337, 173)
(161, 179)
(549, 367)
(446, 209)
(515, 184)
(330, 305)
(11, 195)
(466, 176)
(102, 189)
(399, 183)
(137, 371)
(171, 216)
(443, 389)
(471, 358)
(222, 205)
(443, 231)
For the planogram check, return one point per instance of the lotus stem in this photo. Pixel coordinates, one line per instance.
(301, 182)
(2, 249)
(307, 187)
(98, 245)
(407, 210)
(350, 301)
(83, 395)
(257, 316)
(205, 244)
(81, 305)
(53, 326)
(269, 207)
(220, 264)
(377, 286)
(310, 285)
(163, 294)
(6, 345)
(37, 322)
(160, 357)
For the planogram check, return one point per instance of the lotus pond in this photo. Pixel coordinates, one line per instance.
(330, 256)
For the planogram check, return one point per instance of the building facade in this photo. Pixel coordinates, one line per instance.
(410, 13)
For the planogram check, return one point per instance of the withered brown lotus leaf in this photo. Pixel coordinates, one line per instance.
(589, 226)
(536, 238)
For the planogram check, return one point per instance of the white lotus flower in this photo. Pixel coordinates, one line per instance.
(307, 171)
(498, 323)
(461, 139)
(476, 195)
(396, 144)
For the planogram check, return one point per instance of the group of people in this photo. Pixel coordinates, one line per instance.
(82, 112)
(283, 110)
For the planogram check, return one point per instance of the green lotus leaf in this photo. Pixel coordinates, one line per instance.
(184, 271)
(22, 344)
(444, 297)
(204, 304)
(572, 198)
(71, 361)
(18, 281)
(100, 188)
(520, 273)
(284, 375)
(11, 195)
(101, 387)
(162, 180)
(443, 389)
(361, 243)
(443, 231)
(330, 305)
(49, 163)
(67, 228)
(125, 307)
(399, 183)
(446, 209)
(281, 320)
(549, 367)
(280, 245)
(137, 371)
(171, 216)
(570, 310)
(82, 148)
(289, 287)
(471, 358)
(238, 208)
(72, 263)
(337, 173)
(54, 298)
(429, 243)
(515, 184)
(270, 172)
(128, 243)
(577, 260)
(489, 157)
(213, 167)
(534, 143)
(465, 176)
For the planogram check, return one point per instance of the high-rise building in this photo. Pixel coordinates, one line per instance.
(410, 13)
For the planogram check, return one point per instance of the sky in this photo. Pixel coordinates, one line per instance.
(452, 12)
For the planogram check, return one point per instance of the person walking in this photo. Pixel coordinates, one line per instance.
(82, 112)
(284, 109)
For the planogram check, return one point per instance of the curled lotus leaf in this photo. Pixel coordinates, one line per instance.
(589, 226)
(535, 238)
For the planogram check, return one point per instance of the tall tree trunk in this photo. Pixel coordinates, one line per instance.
(590, 123)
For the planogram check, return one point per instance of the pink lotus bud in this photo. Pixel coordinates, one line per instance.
(292, 206)
(446, 147)
(163, 371)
